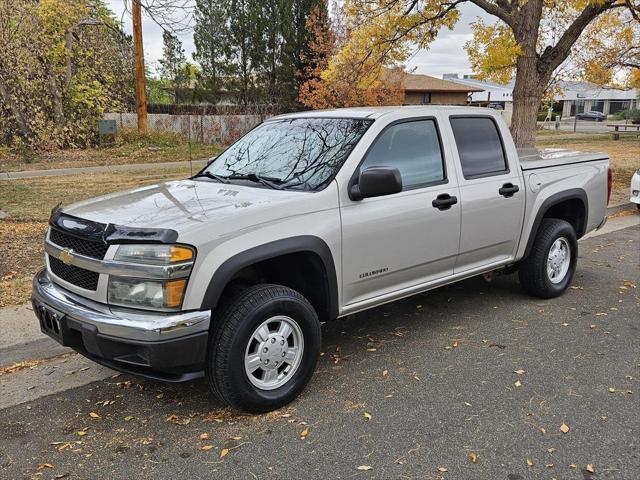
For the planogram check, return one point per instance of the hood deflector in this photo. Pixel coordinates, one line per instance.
(109, 233)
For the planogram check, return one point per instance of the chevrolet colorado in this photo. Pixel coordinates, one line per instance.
(308, 217)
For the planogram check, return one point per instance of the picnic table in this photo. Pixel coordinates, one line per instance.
(616, 132)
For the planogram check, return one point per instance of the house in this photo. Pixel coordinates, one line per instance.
(425, 90)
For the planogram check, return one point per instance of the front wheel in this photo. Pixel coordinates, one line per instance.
(263, 348)
(548, 270)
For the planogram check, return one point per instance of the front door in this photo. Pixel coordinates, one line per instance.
(401, 240)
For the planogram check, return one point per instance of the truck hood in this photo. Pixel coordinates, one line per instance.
(186, 205)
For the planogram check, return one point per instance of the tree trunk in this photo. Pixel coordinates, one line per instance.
(527, 97)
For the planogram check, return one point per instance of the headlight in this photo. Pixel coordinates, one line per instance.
(154, 254)
(150, 294)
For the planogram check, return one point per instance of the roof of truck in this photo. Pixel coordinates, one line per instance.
(377, 112)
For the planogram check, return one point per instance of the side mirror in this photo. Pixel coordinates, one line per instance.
(375, 182)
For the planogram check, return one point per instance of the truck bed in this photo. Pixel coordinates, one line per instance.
(531, 159)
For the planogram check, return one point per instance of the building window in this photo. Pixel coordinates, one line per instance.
(426, 98)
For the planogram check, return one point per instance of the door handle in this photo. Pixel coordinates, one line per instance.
(444, 201)
(508, 190)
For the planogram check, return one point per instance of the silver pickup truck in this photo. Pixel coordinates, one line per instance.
(309, 217)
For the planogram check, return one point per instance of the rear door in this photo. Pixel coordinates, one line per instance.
(491, 192)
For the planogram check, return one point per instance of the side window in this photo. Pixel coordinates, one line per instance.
(479, 146)
(411, 147)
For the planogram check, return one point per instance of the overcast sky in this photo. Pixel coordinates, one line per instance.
(446, 54)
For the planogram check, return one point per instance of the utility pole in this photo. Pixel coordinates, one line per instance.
(138, 51)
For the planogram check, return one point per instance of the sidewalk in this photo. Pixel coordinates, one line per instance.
(197, 164)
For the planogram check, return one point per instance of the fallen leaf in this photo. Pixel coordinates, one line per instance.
(128, 418)
(206, 447)
(365, 467)
(551, 450)
(235, 437)
(224, 452)
(204, 436)
(612, 390)
(304, 433)
(529, 462)
(367, 415)
(549, 465)
(94, 415)
(517, 383)
(520, 372)
(371, 349)
(442, 469)
(82, 433)
(385, 373)
(564, 428)
(573, 465)
(178, 420)
(473, 456)
(590, 468)
(42, 466)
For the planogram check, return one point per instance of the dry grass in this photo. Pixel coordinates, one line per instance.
(32, 199)
(129, 147)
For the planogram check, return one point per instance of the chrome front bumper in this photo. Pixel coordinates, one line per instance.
(119, 323)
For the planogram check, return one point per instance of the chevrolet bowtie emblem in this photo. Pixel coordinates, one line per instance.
(66, 256)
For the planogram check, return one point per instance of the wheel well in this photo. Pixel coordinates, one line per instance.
(573, 211)
(304, 272)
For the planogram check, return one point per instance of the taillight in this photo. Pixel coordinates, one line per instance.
(609, 184)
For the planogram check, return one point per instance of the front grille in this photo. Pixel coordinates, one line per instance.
(77, 276)
(79, 245)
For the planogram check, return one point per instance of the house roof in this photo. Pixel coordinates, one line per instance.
(424, 83)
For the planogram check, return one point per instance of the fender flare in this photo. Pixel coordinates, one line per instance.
(298, 244)
(555, 199)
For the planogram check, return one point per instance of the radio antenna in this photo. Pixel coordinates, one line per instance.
(190, 156)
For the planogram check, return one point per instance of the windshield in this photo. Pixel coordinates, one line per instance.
(299, 153)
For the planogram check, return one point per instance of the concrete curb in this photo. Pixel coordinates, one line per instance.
(55, 172)
(613, 209)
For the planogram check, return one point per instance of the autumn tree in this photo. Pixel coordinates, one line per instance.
(338, 75)
(62, 64)
(530, 39)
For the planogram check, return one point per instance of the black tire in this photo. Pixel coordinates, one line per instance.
(533, 269)
(232, 330)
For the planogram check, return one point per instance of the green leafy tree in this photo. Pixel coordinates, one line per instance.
(211, 48)
(173, 66)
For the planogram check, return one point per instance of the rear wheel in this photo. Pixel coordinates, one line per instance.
(263, 349)
(548, 270)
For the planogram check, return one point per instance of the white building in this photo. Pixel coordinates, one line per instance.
(578, 97)
(574, 97)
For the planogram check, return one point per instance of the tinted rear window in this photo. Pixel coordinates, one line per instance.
(479, 146)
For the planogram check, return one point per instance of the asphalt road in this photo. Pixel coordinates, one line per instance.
(435, 372)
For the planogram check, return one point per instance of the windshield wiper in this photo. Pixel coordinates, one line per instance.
(270, 182)
(213, 176)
